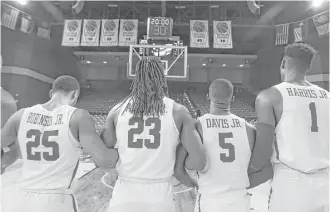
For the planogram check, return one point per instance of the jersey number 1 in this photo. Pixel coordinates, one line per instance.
(155, 132)
(45, 142)
(312, 108)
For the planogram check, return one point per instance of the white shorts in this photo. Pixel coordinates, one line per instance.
(293, 191)
(235, 202)
(130, 196)
(16, 200)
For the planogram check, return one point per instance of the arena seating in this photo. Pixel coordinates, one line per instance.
(100, 104)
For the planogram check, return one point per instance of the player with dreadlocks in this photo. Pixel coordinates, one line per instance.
(147, 128)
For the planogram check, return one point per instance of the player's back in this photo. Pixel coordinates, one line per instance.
(146, 147)
(228, 154)
(50, 152)
(302, 133)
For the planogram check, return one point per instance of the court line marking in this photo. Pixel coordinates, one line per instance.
(111, 187)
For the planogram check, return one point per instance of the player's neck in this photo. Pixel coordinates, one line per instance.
(55, 102)
(219, 108)
(297, 79)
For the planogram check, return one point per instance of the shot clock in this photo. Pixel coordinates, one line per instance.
(159, 28)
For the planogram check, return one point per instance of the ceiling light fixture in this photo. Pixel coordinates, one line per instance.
(241, 65)
(105, 62)
(317, 3)
(22, 2)
(88, 61)
(224, 65)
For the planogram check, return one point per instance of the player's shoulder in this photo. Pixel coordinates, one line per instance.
(79, 115)
(180, 110)
(319, 88)
(269, 96)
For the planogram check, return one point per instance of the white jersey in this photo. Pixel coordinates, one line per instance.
(50, 152)
(302, 133)
(146, 147)
(228, 154)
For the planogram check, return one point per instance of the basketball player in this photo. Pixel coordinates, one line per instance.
(297, 112)
(146, 128)
(228, 141)
(50, 137)
(8, 108)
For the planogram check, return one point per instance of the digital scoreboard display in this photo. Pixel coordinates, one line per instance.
(159, 28)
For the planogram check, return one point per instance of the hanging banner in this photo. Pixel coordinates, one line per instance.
(199, 33)
(282, 34)
(91, 32)
(128, 32)
(222, 35)
(44, 30)
(9, 16)
(321, 22)
(109, 32)
(71, 33)
(28, 24)
(300, 30)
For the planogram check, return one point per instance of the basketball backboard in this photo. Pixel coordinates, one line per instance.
(174, 59)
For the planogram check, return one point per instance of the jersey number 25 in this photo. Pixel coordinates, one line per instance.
(155, 132)
(44, 140)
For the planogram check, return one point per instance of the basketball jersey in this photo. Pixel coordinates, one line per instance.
(302, 133)
(228, 154)
(146, 146)
(50, 152)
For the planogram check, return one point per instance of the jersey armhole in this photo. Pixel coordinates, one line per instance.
(75, 143)
(173, 121)
(278, 121)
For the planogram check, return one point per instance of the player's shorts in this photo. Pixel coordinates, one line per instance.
(17, 200)
(235, 201)
(293, 191)
(136, 196)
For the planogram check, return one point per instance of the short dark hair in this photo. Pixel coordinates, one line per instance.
(221, 91)
(302, 53)
(65, 83)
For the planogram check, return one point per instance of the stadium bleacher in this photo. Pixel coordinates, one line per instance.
(99, 106)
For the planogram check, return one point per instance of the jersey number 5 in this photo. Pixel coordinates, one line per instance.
(230, 157)
(45, 142)
(155, 132)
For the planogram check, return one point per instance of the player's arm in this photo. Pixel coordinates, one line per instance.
(180, 172)
(10, 130)
(198, 126)
(108, 134)
(263, 148)
(8, 108)
(91, 142)
(261, 176)
(251, 133)
(191, 141)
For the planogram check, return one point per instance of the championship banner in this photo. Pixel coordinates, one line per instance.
(128, 32)
(91, 32)
(222, 35)
(321, 22)
(109, 32)
(199, 34)
(71, 33)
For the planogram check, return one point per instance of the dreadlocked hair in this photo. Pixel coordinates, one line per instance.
(148, 88)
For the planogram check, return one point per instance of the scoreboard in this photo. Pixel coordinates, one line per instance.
(159, 28)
